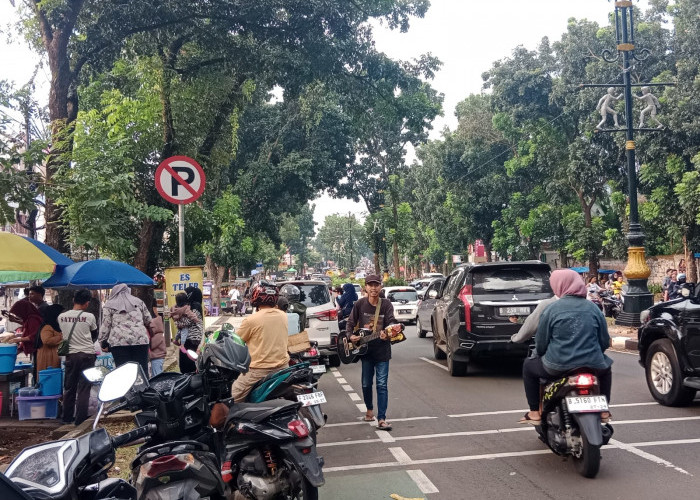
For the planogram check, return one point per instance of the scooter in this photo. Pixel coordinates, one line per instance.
(77, 468)
(612, 305)
(571, 419)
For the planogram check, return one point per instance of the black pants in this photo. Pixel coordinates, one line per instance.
(185, 363)
(533, 371)
(125, 353)
(76, 384)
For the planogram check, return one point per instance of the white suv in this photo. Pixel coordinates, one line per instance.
(405, 302)
(321, 313)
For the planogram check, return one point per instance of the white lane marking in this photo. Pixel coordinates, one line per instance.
(334, 369)
(424, 484)
(337, 374)
(505, 412)
(384, 436)
(347, 388)
(665, 443)
(341, 380)
(523, 428)
(434, 363)
(345, 423)
(339, 443)
(401, 456)
(648, 456)
(354, 396)
(362, 408)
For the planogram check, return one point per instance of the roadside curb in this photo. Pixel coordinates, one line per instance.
(624, 343)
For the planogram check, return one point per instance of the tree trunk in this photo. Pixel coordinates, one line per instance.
(216, 275)
(487, 249)
(563, 259)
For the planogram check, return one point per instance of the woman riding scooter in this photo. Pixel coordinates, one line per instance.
(572, 333)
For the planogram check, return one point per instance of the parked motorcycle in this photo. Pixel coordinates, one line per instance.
(77, 468)
(612, 304)
(571, 419)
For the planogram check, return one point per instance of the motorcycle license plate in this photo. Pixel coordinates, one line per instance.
(314, 398)
(318, 368)
(513, 311)
(582, 404)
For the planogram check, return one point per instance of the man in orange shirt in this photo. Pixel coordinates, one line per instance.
(265, 333)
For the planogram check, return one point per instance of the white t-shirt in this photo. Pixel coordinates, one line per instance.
(233, 294)
(81, 341)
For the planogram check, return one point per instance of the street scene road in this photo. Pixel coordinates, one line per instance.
(459, 438)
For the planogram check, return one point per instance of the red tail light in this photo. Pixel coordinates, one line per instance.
(465, 295)
(583, 380)
(331, 315)
(226, 471)
(312, 352)
(167, 463)
(298, 428)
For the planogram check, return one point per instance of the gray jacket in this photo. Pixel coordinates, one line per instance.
(529, 328)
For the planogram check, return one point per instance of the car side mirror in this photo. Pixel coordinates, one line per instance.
(432, 294)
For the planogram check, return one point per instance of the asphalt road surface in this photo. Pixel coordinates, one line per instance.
(457, 438)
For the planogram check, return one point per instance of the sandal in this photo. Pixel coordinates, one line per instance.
(368, 418)
(531, 421)
(384, 425)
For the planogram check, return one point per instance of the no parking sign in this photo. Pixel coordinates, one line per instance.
(180, 180)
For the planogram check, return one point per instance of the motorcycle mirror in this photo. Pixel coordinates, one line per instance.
(118, 382)
(192, 355)
(685, 292)
(95, 374)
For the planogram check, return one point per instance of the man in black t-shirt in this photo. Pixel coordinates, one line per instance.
(376, 360)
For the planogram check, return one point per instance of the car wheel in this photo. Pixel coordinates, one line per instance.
(437, 352)
(455, 368)
(334, 361)
(419, 327)
(664, 377)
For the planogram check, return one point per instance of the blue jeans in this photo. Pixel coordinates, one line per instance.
(369, 367)
(157, 366)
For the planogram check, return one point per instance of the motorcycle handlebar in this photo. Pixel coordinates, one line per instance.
(114, 409)
(128, 437)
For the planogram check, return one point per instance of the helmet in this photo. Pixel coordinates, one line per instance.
(263, 294)
(291, 292)
(229, 352)
(681, 278)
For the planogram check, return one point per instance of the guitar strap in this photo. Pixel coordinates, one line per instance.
(376, 315)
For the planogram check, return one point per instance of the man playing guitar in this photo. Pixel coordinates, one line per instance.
(374, 313)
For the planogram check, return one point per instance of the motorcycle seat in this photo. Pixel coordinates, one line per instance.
(257, 412)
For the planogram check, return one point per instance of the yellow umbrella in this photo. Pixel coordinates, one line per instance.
(25, 259)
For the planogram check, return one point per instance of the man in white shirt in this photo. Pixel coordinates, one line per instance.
(79, 328)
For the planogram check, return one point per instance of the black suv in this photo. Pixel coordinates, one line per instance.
(472, 316)
(669, 348)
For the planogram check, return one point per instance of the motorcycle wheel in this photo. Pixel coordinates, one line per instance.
(306, 491)
(588, 463)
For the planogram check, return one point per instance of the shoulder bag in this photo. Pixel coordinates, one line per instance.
(64, 346)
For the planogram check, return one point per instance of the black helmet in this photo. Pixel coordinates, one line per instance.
(229, 352)
(291, 292)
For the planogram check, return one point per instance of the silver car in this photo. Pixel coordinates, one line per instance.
(426, 306)
(321, 313)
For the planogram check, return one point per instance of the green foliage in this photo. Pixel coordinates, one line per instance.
(342, 240)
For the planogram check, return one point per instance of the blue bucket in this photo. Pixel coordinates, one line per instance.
(51, 381)
(8, 356)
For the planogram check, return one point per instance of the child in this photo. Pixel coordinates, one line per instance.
(157, 352)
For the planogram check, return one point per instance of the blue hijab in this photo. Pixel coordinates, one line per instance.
(347, 300)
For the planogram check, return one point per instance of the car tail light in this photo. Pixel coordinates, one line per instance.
(299, 428)
(330, 315)
(167, 463)
(583, 380)
(465, 295)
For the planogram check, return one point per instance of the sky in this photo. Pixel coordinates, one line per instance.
(466, 35)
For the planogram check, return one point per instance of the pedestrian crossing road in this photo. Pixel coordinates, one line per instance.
(459, 438)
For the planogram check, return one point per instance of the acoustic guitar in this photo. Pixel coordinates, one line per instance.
(349, 351)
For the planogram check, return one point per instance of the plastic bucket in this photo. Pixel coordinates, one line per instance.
(8, 356)
(51, 381)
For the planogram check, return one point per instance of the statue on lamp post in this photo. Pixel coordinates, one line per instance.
(652, 105)
(605, 106)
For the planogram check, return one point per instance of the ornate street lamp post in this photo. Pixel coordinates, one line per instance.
(637, 272)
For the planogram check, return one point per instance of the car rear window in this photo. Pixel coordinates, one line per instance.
(314, 295)
(510, 280)
(402, 295)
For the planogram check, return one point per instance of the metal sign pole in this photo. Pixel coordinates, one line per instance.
(181, 232)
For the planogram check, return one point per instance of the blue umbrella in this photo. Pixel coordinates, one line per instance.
(97, 274)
